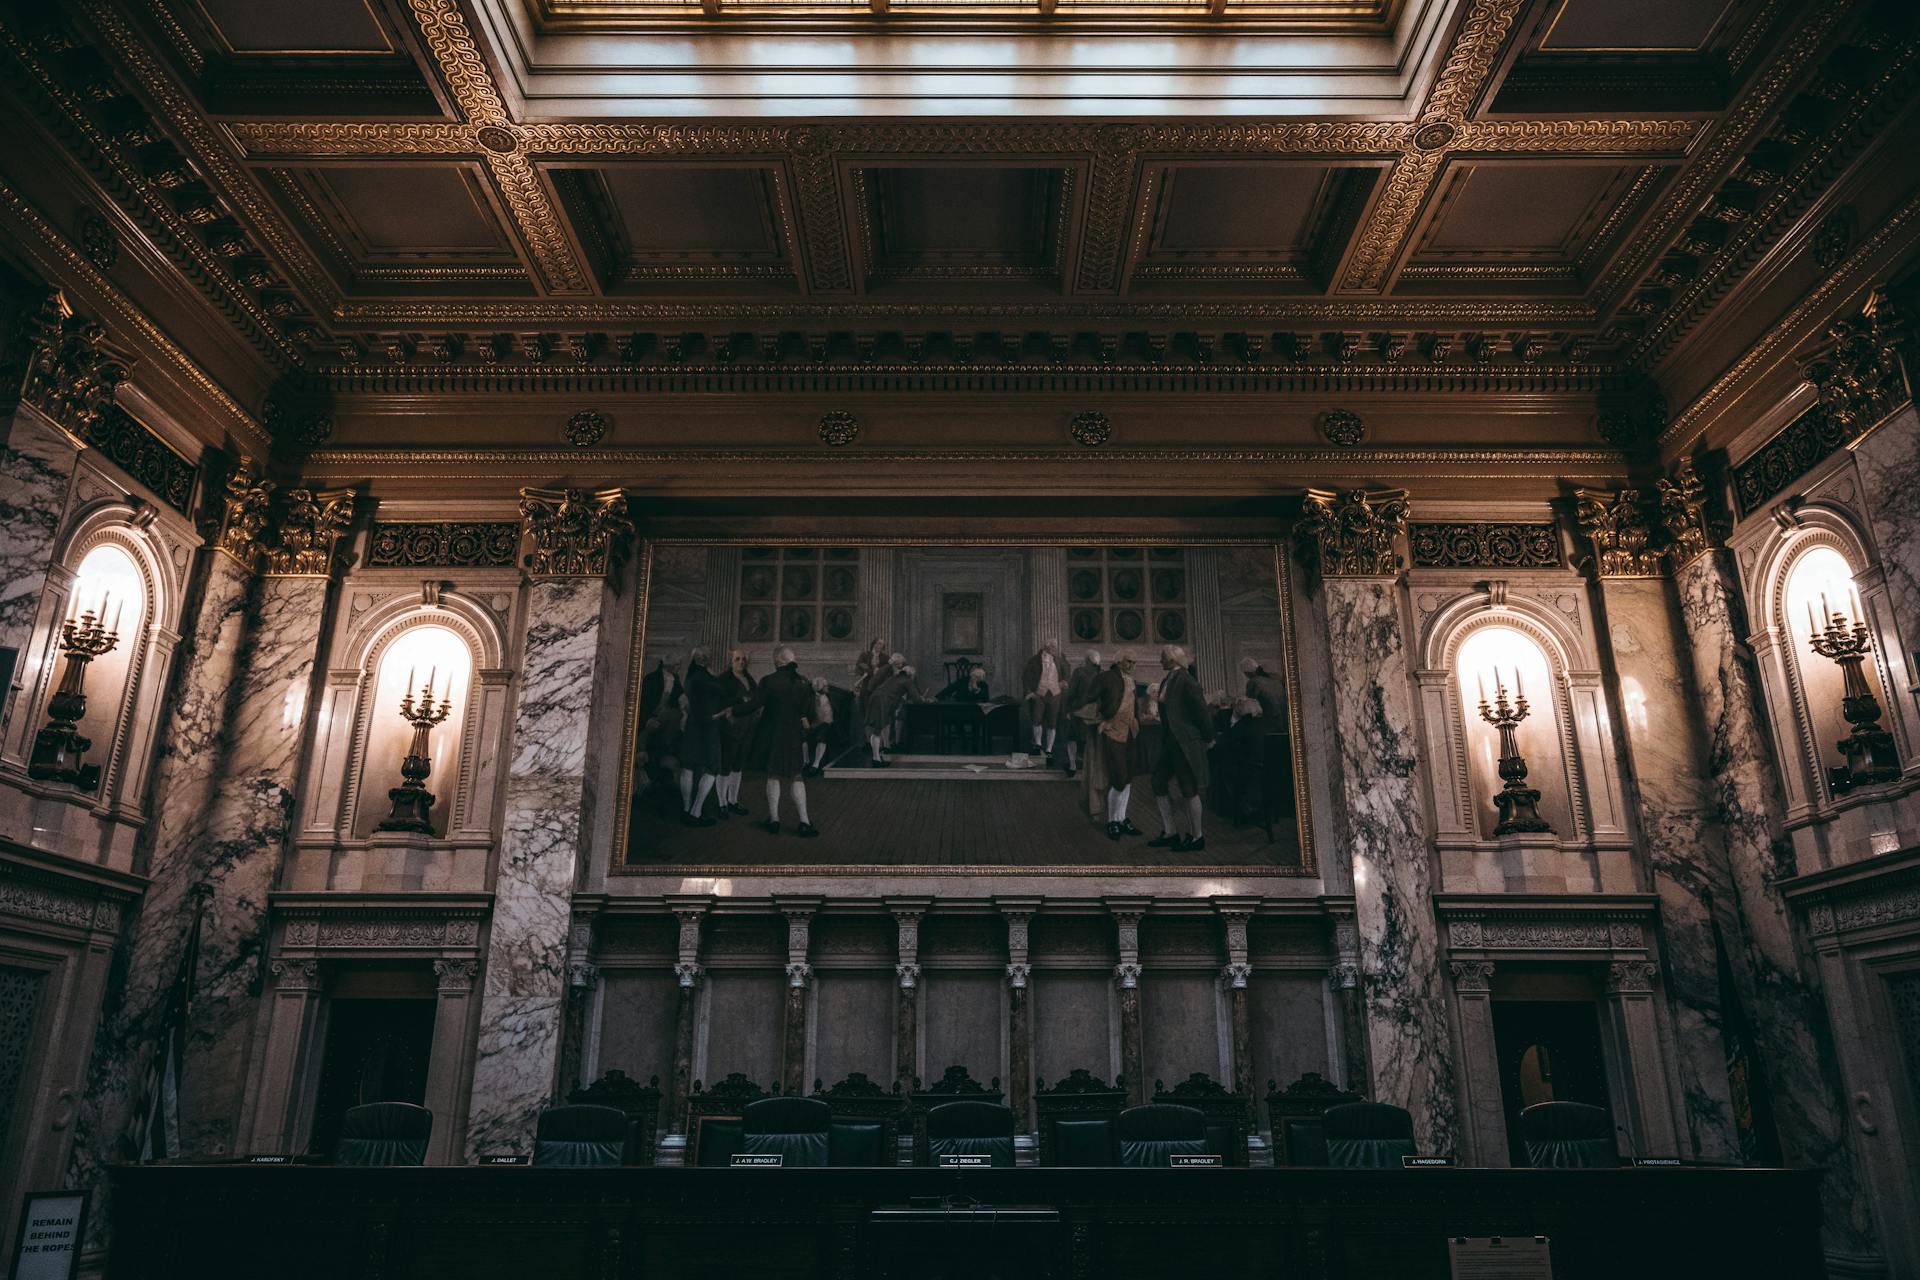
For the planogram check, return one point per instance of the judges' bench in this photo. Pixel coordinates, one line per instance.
(294, 1222)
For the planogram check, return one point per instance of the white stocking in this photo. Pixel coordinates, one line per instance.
(686, 791)
(1166, 815)
(773, 800)
(1193, 815)
(1126, 797)
(1050, 734)
(706, 787)
(800, 800)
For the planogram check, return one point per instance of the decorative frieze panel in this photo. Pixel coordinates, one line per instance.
(1485, 545)
(53, 900)
(435, 544)
(454, 927)
(1602, 929)
(1866, 901)
(1796, 450)
(131, 446)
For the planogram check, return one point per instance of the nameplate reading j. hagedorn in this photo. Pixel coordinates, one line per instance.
(1426, 1162)
(758, 1160)
(965, 1160)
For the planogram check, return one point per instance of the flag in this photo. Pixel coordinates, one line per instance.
(156, 1133)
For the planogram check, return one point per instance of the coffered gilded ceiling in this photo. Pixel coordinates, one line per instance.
(1562, 185)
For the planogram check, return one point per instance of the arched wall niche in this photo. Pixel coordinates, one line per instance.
(1570, 752)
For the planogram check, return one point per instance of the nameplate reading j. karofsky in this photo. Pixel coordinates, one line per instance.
(1500, 1258)
(758, 1159)
(50, 1235)
(965, 1160)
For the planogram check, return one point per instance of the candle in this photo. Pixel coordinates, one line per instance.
(432, 675)
(1518, 687)
(1480, 679)
(101, 616)
(118, 609)
(1826, 610)
(1813, 628)
(1853, 606)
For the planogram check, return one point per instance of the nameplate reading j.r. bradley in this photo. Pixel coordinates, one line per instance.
(1197, 1162)
(1426, 1162)
(965, 1160)
(505, 1159)
(759, 1159)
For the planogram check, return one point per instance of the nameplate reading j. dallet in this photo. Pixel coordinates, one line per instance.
(506, 1159)
(1426, 1162)
(759, 1159)
(51, 1227)
(1500, 1258)
(965, 1160)
(1197, 1162)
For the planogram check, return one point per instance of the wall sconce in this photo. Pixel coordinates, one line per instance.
(1869, 748)
(412, 802)
(1517, 802)
(58, 748)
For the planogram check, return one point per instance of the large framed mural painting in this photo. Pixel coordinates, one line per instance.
(964, 706)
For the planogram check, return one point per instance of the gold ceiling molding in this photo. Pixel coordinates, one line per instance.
(61, 260)
(1532, 461)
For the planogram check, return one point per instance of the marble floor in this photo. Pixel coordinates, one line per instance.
(914, 814)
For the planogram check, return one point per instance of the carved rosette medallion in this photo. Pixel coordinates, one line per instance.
(1342, 427)
(1615, 522)
(838, 428)
(586, 428)
(1351, 533)
(1683, 510)
(573, 531)
(311, 526)
(497, 139)
(1091, 429)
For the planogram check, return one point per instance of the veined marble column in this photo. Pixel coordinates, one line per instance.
(1783, 996)
(1884, 458)
(36, 472)
(1126, 976)
(1408, 1039)
(793, 1044)
(1019, 1019)
(1350, 1006)
(906, 971)
(517, 1060)
(1235, 977)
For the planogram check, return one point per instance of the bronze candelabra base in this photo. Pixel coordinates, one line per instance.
(59, 746)
(412, 802)
(1868, 750)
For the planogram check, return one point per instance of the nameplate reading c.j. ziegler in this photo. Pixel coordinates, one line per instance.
(759, 1160)
(1197, 1162)
(965, 1160)
(1426, 1162)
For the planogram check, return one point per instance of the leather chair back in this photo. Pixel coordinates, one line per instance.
(861, 1143)
(1150, 1136)
(1367, 1135)
(1568, 1135)
(797, 1128)
(1084, 1142)
(1306, 1140)
(384, 1133)
(582, 1136)
(971, 1128)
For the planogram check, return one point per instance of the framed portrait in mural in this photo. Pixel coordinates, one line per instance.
(964, 706)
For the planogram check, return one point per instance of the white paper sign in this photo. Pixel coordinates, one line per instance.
(49, 1245)
(1500, 1258)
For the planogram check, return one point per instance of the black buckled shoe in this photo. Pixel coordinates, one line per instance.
(807, 831)
(1113, 831)
(1128, 829)
(1171, 841)
(770, 827)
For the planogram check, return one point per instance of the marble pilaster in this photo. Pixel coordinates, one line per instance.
(1636, 1033)
(1126, 977)
(1019, 1019)
(451, 1058)
(906, 971)
(1235, 978)
(793, 1044)
(1483, 1129)
(36, 474)
(1785, 1004)
(1400, 974)
(686, 972)
(1884, 459)
(1683, 848)
(525, 989)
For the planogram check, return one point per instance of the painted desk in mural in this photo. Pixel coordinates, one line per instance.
(212, 1222)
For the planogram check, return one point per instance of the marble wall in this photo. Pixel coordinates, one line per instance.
(36, 472)
(1386, 838)
(547, 791)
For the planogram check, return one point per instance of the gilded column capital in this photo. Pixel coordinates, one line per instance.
(1616, 523)
(574, 531)
(311, 525)
(1472, 976)
(243, 519)
(1630, 977)
(72, 368)
(1683, 510)
(1351, 532)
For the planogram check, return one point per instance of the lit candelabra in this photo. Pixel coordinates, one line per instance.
(1517, 802)
(1869, 748)
(412, 802)
(58, 748)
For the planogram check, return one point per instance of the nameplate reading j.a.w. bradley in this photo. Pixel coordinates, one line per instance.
(758, 1159)
(1197, 1162)
(965, 1160)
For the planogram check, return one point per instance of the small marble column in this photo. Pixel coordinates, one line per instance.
(583, 979)
(1353, 537)
(686, 972)
(450, 1064)
(1234, 978)
(1350, 1009)
(1019, 1019)
(1483, 1131)
(906, 972)
(793, 1042)
(285, 1051)
(1126, 976)
(516, 1068)
(1636, 1030)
